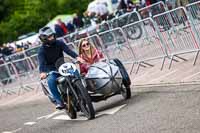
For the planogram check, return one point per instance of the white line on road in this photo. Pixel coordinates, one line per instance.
(105, 112)
(50, 115)
(30, 123)
(42, 117)
(54, 113)
(111, 111)
(66, 117)
(14, 131)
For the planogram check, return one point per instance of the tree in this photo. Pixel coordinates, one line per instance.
(7, 7)
(19, 17)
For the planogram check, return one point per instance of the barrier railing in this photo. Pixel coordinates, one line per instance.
(179, 35)
(116, 45)
(124, 19)
(16, 77)
(194, 11)
(5, 73)
(18, 72)
(194, 14)
(145, 41)
(31, 51)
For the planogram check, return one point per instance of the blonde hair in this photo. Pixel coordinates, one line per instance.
(81, 51)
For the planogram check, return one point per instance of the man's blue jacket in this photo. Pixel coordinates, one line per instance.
(49, 54)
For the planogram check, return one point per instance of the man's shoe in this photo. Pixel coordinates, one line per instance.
(60, 106)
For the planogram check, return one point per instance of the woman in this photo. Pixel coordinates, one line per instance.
(88, 53)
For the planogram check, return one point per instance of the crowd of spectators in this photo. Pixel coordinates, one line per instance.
(97, 12)
(12, 48)
(62, 28)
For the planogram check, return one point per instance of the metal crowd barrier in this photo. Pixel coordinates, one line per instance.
(19, 72)
(115, 44)
(194, 11)
(194, 14)
(32, 51)
(178, 32)
(124, 19)
(5, 73)
(145, 41)
(103, 27)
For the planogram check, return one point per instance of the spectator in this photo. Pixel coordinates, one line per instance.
(191, 1)
(86, 19)
(102, 10)
(60, 28)
(19, 47)
(6, 51)
(77, 21)
(171, 4)
(27, 45)
(70, 27)
(152, 2)
(12, 45)
(182, 2)
(181, 14)
(124, 4)
(142, 3)
(1, 52)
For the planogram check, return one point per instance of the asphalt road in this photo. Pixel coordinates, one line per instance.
(161, 110)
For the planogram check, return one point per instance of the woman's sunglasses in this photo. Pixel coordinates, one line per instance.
(85, 45)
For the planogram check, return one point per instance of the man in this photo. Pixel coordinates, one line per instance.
(50, 51)
(77, 21)
(1, 51)
(182, 2)
(70, 27)
(60, 28)
(125, 5)
(6, 51)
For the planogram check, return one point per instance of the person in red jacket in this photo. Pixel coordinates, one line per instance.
(88, 53)
(60, 28)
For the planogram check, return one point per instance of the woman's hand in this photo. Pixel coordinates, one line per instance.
(80, 60)
(102, 60)
(43, 75)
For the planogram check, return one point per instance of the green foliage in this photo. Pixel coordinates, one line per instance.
(19, 17)
(7, 7)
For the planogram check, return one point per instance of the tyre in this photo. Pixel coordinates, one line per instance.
(67, 100)
(124, 73)
(134, 32)
(85, 101)
(126, 90)
(71, 112)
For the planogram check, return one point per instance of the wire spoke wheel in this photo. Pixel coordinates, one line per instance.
(126, 82)
(69, 108)
(85, 101)
(134, 32)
